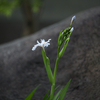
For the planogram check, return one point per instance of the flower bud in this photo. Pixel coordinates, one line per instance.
(73, 18)
(72, 29)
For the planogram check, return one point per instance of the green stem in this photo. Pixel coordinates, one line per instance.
(52, 91)
(56, 65)
(55, 71)
(53, 85)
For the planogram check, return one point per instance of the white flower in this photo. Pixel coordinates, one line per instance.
(73, 18)
(42, 44)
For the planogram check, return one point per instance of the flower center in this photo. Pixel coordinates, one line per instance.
(43, 43)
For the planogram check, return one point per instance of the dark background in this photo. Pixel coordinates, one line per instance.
(52, 11)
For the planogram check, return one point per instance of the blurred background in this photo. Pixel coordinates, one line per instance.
(20, 18)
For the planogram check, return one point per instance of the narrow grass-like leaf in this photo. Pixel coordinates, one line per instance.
(56, 88)
(63, 92)
(29, 97)
(49, 70)
(47, 66)
(46, 96)
(56, 96)
(60, 38)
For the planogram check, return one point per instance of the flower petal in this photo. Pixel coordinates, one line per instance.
(42, 40)
(49, 40)
(37, 41)
(41, 44)
(46, 44)
(35, 46)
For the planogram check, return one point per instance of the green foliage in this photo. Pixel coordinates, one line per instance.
(46, 96)
(7, 6)
(57, 95)
(47, 66)
(63, 92)
(36, 4)
(60, 94)
(29, 97)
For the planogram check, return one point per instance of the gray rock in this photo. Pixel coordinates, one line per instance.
(21, 69)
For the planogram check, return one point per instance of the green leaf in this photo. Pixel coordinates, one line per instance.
(29, 97)
(63, 92)
(64, 48)
(56, 96)
(60, 38)
(46, 96)
(56, 88)
(47, 66)
(49, 72)
(66, 32)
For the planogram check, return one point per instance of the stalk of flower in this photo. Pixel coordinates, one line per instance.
(45, 58)
(63, 39)
(72, 20)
